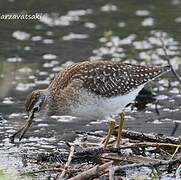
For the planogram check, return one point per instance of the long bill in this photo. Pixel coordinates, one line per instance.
(24, 128)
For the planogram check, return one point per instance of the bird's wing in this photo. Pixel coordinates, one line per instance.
(107, 78)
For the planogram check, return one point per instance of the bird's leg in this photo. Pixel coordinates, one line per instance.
(120, 129)
(111, 129)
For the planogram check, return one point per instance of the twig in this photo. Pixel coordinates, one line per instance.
(147, 144)
(177, 148)
(130, 158)
(111, 173)
(150, 137)
(176, 125)
(168, 60)
(42, 170)
(154, 173)
(156, 164)
(165, 152)
(178, 172)
(93, 172)
(156, 107)
(72, 148)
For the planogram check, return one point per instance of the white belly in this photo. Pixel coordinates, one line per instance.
(99, 108)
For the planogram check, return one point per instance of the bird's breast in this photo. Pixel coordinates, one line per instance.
(93, 106)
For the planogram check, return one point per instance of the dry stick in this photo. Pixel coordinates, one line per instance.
(163, 151)
(58, 169)
(111, 173)
(150, 137)
(168, 60)
(143, 161)
(130, 158)
(175, 152)
(153, 144)
(72, 148)
(93, 172)
(178, 172)
(156, 164)
(43, 170)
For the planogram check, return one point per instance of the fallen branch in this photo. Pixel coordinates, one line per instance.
(168, 61)
(150, 137)
(68, 161)
(156, 164)
(178, 172)
(177, 148)
(147, 144)
(130, 158)
(111, 173)
(93, 172)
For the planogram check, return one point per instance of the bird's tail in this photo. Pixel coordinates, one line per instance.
(166, 68)
(162, 70)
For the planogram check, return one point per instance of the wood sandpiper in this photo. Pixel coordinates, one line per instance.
(96, 90)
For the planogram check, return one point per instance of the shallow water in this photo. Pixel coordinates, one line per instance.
(31, 52)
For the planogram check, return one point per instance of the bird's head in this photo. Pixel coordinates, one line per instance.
(35, 101)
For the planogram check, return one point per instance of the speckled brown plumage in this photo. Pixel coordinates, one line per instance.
(107, 78)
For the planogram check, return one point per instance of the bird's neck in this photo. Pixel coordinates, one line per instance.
(57, 103)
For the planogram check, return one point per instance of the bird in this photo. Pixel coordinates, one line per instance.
(92, 89)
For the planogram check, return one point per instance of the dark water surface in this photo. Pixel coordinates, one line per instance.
(32, 51)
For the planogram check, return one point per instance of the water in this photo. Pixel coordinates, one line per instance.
(31, 52)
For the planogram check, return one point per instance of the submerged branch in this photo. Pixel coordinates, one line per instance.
(150, 137)
(93, 172)
(168, 61)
